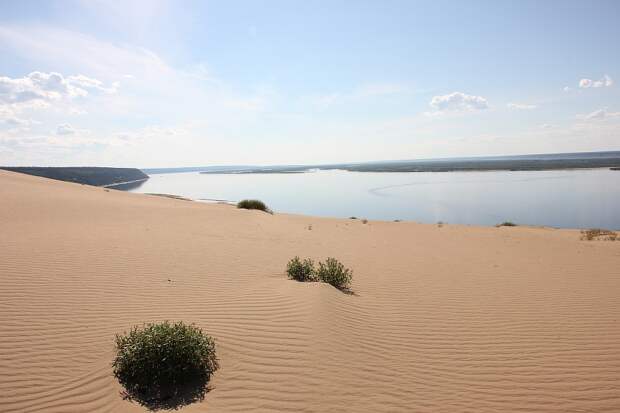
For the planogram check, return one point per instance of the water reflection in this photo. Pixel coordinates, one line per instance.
(574, 199)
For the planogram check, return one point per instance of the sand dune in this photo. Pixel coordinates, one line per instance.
(450, 319)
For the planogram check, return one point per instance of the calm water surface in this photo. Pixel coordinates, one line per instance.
(573, 199)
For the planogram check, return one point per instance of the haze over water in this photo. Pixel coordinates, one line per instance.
(565, 198)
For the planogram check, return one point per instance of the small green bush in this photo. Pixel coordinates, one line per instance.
(301, 270)
(506, 224)
(253, 204)
(334, 273)
(165, 365)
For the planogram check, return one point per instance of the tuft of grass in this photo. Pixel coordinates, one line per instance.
(253, 204)
(165, 365)
(301, 270)
(506, 224)
(335, 273)
(599, 234)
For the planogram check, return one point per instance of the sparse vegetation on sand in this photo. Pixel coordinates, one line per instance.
(165, 365)
(331, 272)
(506, 224)
(254, 204)
(334, 273)
(598, 234)
(301, 270)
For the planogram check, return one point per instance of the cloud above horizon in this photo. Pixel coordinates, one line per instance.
(186, 95)
(65, 129)
(45, 87)
(601, 114)
(605, 81)
(458, 102)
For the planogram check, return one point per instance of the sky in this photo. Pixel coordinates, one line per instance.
(194, 83)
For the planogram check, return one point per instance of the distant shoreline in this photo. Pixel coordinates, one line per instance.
(439, 169)
(124, 183)
(533, 162)
(86, 175)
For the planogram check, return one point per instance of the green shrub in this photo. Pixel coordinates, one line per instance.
(506, 224)
(301, 270)
(253, 204)
(334, 273)
(165, 365)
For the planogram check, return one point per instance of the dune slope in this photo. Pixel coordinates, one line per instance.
(450, 319)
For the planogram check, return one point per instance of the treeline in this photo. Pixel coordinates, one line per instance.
(84, 175)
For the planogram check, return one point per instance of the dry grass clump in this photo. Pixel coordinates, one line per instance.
(598, 234)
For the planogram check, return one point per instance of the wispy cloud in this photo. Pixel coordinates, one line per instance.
(605, 81)
(600, 114)
(458, 102)
(521, 106)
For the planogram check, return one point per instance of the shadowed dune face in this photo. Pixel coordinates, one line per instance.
(448, 319)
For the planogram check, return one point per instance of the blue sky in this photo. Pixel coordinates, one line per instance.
(158, 83)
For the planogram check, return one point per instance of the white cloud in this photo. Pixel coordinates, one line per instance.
(65, 129)
(90, 83)
(152, 90)
(546, 126)
(77, 111)
(9, 118)
(15, 122)
(520, 106)
(566, 89)
(605, 81)
(46, 87)
(600, 114)
(458, 102)
(36, 86)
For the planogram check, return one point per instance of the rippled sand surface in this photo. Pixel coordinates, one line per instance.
(443, 319)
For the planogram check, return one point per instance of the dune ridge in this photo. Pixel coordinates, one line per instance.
(444, 319)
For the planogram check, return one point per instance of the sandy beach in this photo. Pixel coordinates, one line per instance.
(442, 319)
